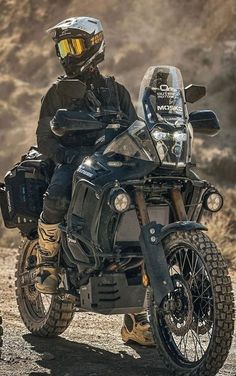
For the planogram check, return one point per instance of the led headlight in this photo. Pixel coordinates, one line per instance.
(177, 136)
(119, 200)
(180, 136)
(160, 136)
(213, 201)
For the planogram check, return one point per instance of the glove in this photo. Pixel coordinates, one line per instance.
(72, 157)
(67, 156)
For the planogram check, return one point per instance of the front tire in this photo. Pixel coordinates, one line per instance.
(43, 315)
(195, 338)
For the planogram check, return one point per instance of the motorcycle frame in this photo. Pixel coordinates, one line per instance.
(190, 210)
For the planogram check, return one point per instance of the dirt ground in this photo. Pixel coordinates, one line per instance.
(91, 346)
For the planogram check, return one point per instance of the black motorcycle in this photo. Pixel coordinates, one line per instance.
(132, 237)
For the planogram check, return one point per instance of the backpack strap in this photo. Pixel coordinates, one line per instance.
(111, 96)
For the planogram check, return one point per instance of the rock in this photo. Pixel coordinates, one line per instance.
(48, 356)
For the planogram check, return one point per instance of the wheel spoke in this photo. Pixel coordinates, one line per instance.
(193, 288)
(199, 297)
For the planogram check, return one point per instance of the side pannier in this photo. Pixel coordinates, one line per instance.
(21, 194)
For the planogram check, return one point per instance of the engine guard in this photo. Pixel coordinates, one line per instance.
(151, 238)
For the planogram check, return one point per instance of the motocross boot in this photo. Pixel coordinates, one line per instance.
(136, 328)
(47, 257)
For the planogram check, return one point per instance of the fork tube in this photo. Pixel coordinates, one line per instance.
(178, 203)
(141, 208)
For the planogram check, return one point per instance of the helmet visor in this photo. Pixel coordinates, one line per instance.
(72, 46)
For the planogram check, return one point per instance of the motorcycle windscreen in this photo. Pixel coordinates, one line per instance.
(135, 142)
(166, 93)
(162, 105)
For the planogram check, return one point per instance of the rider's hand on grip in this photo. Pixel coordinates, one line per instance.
(72, 157)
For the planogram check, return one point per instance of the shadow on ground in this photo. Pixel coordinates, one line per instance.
(70, 358)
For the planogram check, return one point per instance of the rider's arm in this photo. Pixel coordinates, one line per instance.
(126, 103)
(48, 143)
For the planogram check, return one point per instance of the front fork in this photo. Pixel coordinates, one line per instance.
(177, 201)
(151, 240)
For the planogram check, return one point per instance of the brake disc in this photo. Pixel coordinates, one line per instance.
(179, 320)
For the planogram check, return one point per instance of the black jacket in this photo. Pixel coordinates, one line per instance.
(55, 147)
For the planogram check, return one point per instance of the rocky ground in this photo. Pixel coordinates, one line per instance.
(91, 346)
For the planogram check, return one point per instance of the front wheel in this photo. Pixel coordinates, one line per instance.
(43, 315)
(194, 327)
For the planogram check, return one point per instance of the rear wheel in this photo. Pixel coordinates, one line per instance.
(43, 315)
(194, 329)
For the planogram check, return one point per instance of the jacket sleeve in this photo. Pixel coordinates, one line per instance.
(48, 143)
(126, 104)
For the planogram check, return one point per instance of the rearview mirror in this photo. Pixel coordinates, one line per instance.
(194, 92)
(72, 88)
(205, 122)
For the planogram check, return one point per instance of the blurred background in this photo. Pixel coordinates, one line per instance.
(198, 36)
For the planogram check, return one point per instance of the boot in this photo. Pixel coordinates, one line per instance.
(47, 258)
(136, 328)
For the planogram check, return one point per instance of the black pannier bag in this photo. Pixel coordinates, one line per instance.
(21, 194)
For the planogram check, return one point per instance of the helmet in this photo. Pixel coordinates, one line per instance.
(79, 44)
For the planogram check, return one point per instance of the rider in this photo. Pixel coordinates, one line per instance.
(80, 47)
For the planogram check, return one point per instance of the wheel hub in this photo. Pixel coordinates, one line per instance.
(179, 317)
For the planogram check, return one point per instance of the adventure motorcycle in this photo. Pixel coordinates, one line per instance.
(132, 237)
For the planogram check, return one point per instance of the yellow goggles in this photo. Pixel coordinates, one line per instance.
(72, 46)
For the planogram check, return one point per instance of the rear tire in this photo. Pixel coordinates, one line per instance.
(208, 315)
(43, 315)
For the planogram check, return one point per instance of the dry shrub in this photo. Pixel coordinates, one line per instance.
(220, 231)
(222, 168)
(222, 227)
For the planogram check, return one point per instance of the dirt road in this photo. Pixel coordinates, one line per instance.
(91, 346)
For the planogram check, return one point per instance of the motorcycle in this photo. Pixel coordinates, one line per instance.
(132, 238)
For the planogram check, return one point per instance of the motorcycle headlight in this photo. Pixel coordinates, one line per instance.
(213, 201)
(160, 136)
(180, 136)
(119, 200)
(177, 136)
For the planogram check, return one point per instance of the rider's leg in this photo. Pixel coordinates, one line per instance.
(56, 203)
(136, 328)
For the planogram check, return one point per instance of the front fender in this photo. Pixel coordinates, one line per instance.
(180, 226)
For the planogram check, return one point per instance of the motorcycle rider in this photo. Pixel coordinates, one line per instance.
(80, 47)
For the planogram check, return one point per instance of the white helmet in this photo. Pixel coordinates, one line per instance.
(79, 43)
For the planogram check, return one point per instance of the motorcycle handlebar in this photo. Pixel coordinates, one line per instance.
(70, 121)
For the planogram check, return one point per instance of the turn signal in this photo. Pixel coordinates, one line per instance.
(145, 280)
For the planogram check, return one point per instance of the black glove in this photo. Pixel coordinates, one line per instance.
(72, 157)
(67, 156)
